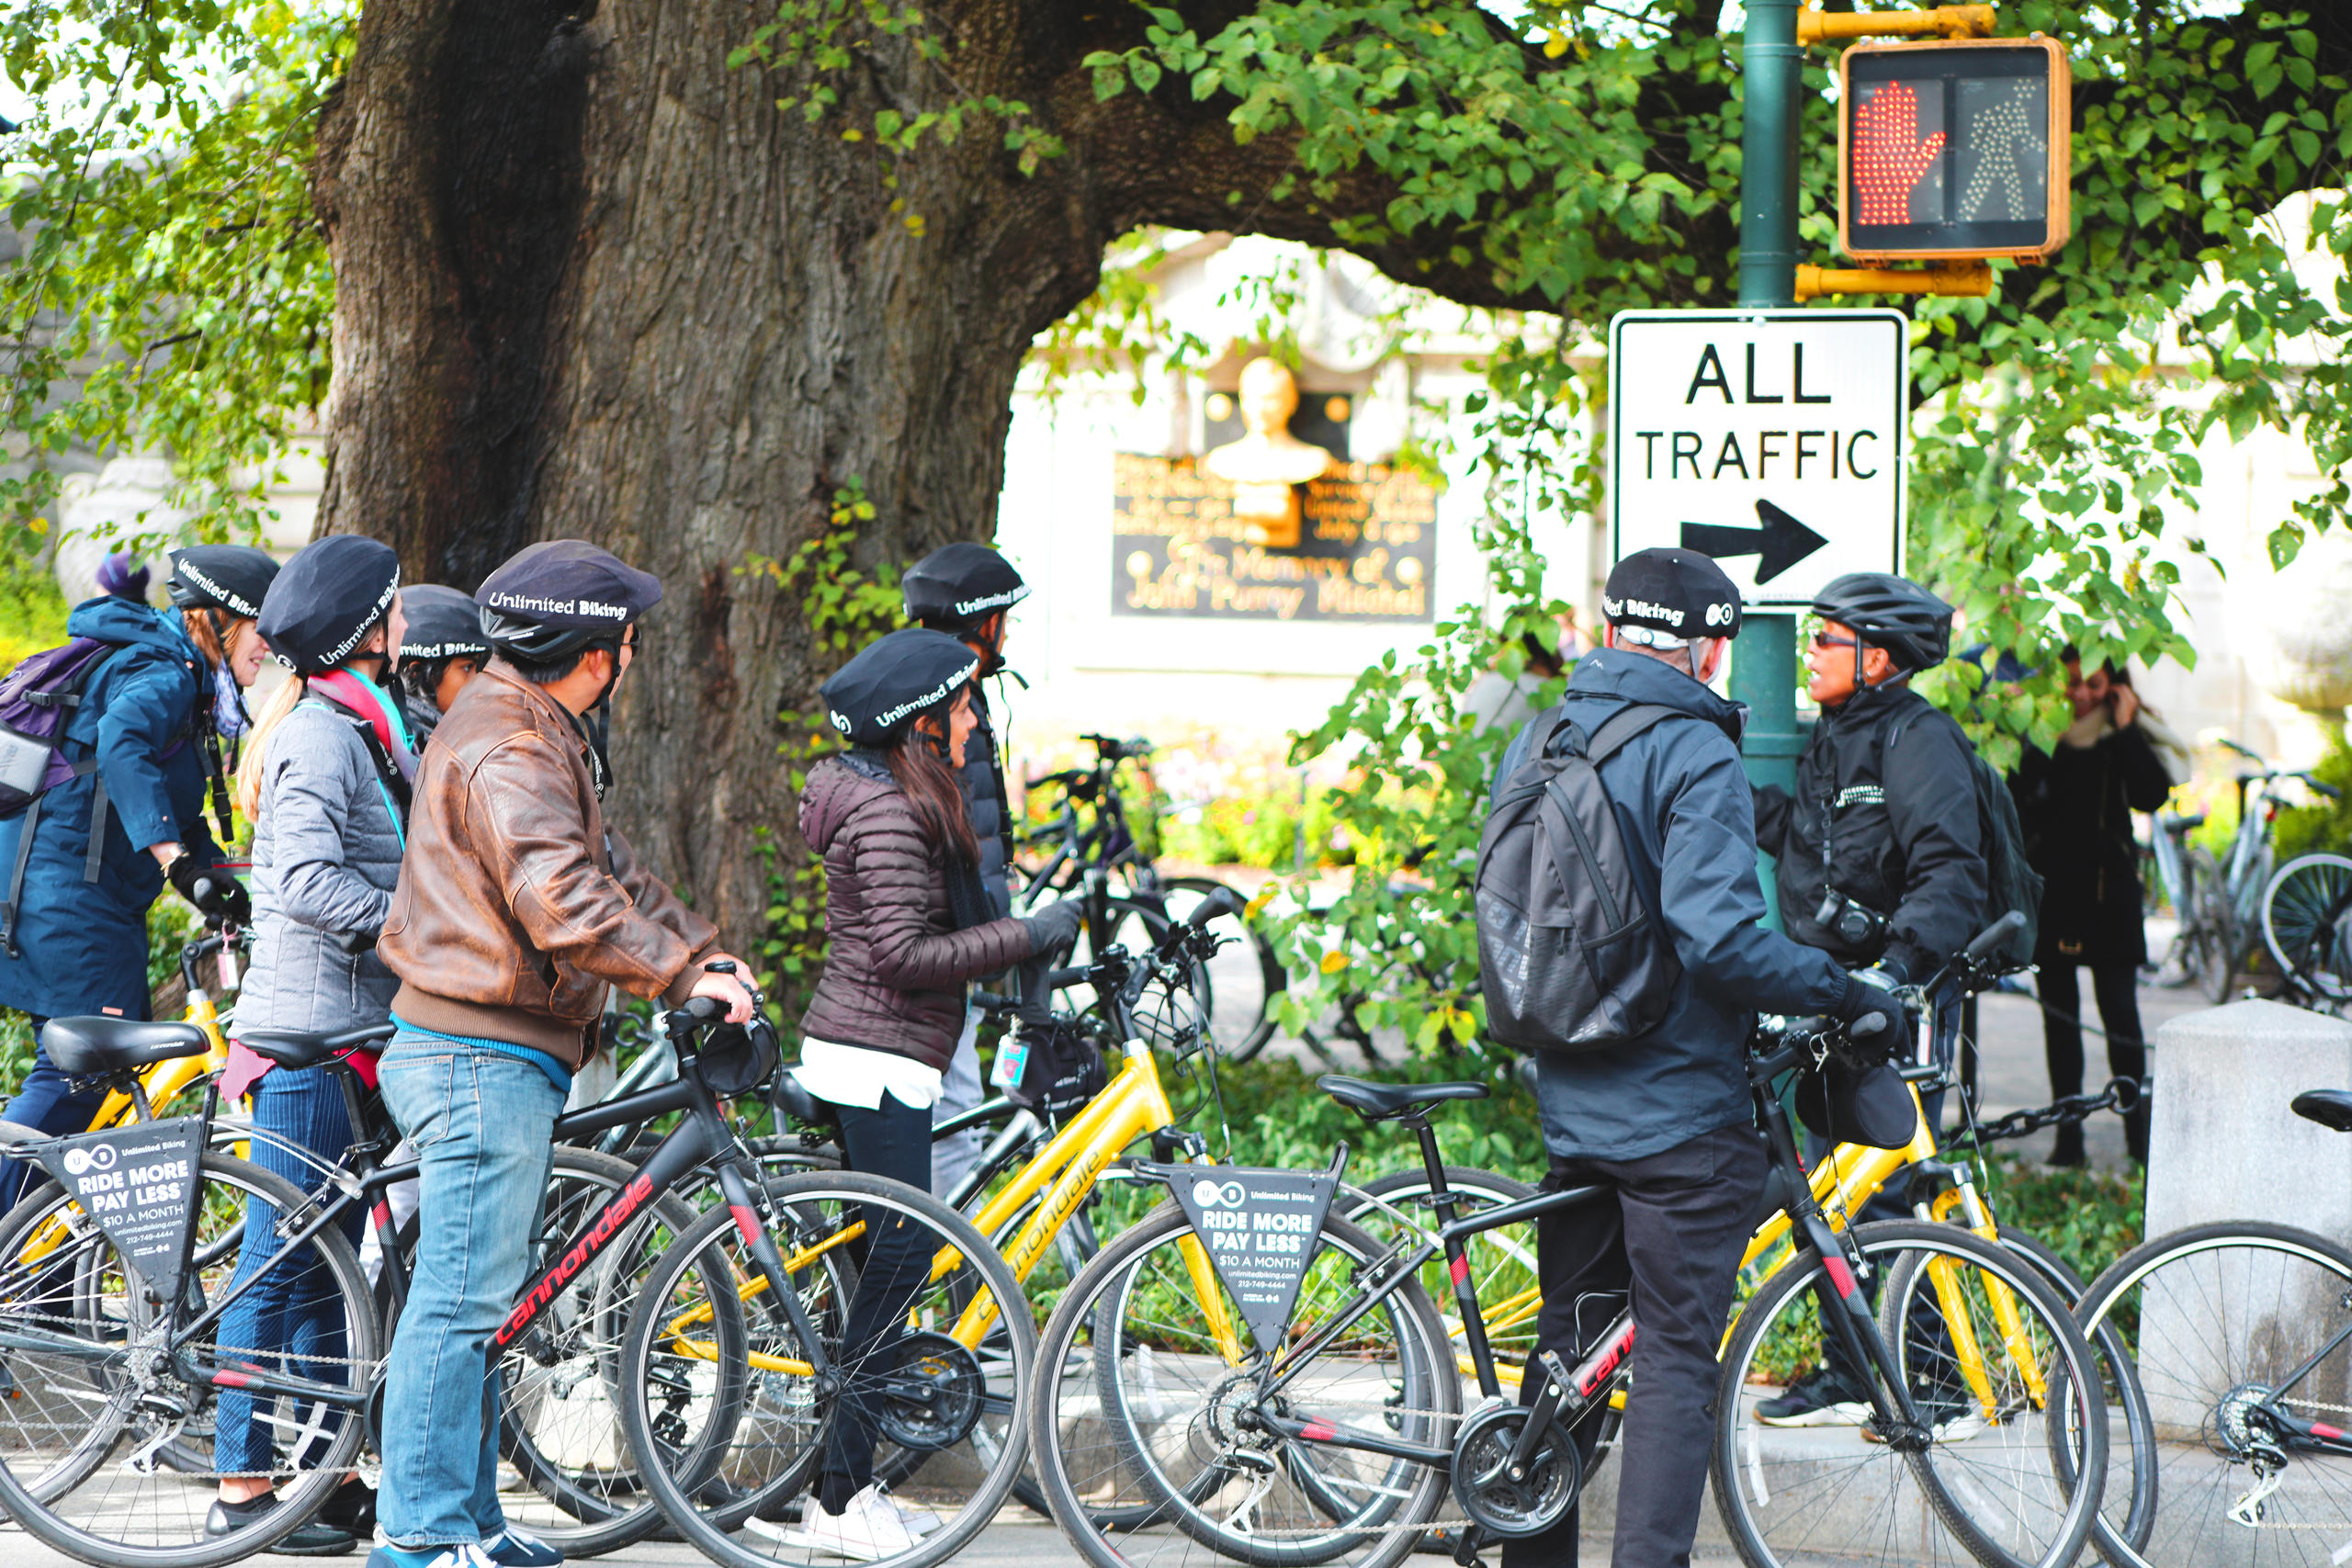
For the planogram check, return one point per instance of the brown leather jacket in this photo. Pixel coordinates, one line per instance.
(516, 906)
(895, 967)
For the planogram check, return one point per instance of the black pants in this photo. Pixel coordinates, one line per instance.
(2116, 987)
(47, 1101)
(891, 1140)
(1672, 1239)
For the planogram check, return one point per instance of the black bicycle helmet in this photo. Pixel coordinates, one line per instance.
(1892, 613)
(955, 588)
(442, 624)
(875, 696)
(555, 598)
(331, 596)
(235, 578)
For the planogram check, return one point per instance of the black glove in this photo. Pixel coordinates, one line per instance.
(1054, 927)
(1872, 1012)
(213, 890)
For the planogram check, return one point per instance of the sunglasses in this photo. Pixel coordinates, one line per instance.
(1823, 639)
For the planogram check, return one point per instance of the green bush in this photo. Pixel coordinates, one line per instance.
(32, 611)
(2324, 825)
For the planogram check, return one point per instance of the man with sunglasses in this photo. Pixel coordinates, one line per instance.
(1881, 859)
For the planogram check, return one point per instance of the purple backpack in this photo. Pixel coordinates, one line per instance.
(37, 700)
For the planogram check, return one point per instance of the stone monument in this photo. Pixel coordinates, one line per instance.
(1267, 466)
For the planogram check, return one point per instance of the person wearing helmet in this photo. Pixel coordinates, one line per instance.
(1880, 862)
(445, 648)
(909, 926)
(325, 783)
(967, 591)
(84, 863)
(518, 908)
(1666, 1120)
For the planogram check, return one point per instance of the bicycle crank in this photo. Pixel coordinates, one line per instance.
(1504, 1495)
(933, 1401)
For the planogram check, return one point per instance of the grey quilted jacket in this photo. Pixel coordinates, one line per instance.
(895, 967)
(326, 857)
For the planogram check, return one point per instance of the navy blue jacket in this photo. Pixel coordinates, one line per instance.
(84, 944)
(982, 781)
(1688, 816)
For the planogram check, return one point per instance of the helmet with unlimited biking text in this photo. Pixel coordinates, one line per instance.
(1664, 597)
(876, 697)
(442, 624)
(1889, 612)
(230, 578)
(557, 597)
(330, 597)
(956, 587)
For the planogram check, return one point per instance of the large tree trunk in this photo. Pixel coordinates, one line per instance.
(592, 281)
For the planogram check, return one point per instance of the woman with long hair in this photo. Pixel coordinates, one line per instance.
(910, 926)
(91, 854)
(325, 782)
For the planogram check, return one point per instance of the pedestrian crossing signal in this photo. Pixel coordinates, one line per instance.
(1952, 150)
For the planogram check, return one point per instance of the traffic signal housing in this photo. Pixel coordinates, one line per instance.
(1956, 149)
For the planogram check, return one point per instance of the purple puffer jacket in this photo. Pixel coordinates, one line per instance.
(895, 972)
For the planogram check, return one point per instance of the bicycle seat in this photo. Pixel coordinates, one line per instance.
(792, 1096)
(294, 1048)
(94, 1047)
(1380, 1102)
(2331, 1108)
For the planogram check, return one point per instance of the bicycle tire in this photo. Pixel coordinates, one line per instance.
(2217, 942)
(1270, 977)
(334, 1266)
(2200, 1468)
(685, 1469)
(591, 1509)
(1846, 1479)
(1421, 1402)
(2307, 925)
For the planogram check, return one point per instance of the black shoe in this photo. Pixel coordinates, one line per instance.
(1823, 1397)
(352, 1508)
(313, 1540)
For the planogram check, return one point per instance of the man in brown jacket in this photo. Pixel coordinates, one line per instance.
(516, 908)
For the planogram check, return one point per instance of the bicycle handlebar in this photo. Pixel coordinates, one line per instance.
(1992, 936)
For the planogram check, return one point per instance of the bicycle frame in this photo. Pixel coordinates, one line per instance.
(704, 1137)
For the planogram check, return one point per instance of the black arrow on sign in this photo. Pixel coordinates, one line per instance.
(1779, 545)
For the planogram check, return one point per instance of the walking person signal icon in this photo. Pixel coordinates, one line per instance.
(1954, 150)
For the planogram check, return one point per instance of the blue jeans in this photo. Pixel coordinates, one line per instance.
(293, 1316)
(484, 1126)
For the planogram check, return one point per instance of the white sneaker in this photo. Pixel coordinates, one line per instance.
(867, 1530)
(920, 1522)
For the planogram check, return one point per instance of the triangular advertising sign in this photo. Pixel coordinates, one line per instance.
(138, 1182)
(1258, 1229)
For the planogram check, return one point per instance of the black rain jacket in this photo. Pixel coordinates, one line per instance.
(1895, 831)
(982, 781)
(1684, 805)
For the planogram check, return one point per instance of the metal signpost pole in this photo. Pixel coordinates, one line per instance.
(1763, 669)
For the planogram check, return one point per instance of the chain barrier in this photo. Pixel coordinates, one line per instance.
(2122, 1096)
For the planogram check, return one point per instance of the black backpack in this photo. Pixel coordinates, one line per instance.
(1570, 957)
(2010, 881)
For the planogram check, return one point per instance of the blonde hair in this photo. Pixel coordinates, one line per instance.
(282, 702)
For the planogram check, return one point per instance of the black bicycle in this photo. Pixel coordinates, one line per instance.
(122, 1296)
(1336, 1433)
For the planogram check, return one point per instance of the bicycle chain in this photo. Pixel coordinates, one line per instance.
(2122, 1096)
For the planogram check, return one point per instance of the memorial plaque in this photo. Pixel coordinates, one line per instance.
(1367, 548)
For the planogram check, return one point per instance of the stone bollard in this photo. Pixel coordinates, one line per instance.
(2224, 1145)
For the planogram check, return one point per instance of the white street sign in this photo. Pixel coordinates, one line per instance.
(1771, 440)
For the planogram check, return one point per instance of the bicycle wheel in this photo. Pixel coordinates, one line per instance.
(1502, 1261)
(88, 1413)
(2307, 923)
(1983, 1484)
(1167, 1418)
(1243, 979)
(728, 1423)
(558, 1425)
(2221, 1318)
(2218, 945)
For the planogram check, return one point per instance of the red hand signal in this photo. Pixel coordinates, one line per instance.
(1889, 159)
